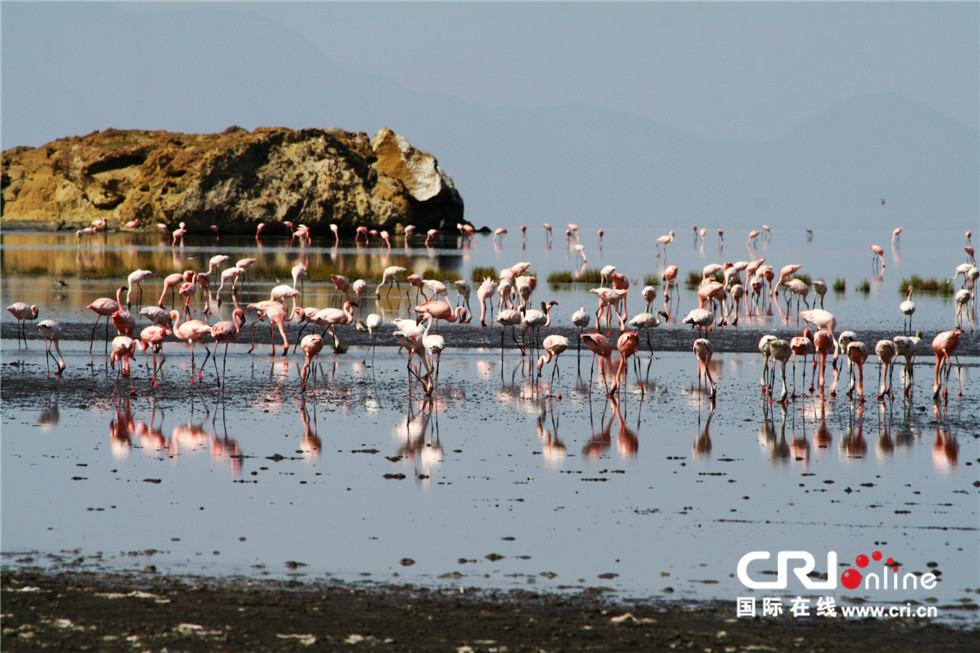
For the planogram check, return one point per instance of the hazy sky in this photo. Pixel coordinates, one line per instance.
(738, 70)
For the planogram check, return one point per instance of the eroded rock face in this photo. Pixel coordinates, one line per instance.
(234, 179)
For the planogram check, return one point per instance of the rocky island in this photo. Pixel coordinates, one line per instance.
(235, 179)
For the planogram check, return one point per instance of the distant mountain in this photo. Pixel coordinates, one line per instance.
(512, 166)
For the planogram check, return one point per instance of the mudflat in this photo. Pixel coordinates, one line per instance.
(109, 612)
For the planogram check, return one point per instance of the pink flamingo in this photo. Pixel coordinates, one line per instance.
(312, 345)
(23, 313)
(627, 344)
(896, 235)
(801, 346)
(608, 299)
(389, 277)
(886, 351)
(498, 233)
(124, 322)
(429, 235)
(857, 353)
(258, 230)
(191, 331)
(823, 345)
(336, 234)
(943, 346)
(670, 277)
(276, 313)
(152, 337)
(51, 332)
(230, 275)
(547, 234)
(877, 257)
(440, 310)
(104, 307)
(226, 331)
(132, 224)
(188, 289)
(600, 346)
(703, 350)
(135, 278)
(784, 272)
(665, 240)
(123, 349)
(554, 345)
(509, 317)
(170, 282)
(485, 292)
(331, 318)
(179, 234)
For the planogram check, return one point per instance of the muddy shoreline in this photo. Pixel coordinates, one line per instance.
(674, 338)
(107, 612)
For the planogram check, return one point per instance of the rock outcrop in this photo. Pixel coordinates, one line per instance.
(235, 179)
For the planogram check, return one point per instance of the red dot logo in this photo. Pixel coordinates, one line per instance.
(889, 561)
(851, 578)
(861, 561)
(876, 555)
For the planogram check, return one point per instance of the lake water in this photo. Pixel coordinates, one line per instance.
(494, 484)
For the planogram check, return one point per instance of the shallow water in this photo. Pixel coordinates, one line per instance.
(494, 484)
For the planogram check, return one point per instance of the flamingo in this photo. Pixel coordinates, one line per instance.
(388, 277)
(857, 353)
(246, 266)
(437, 288)
(434, 344)
(369, 324)
(665, 240)
(553, 345)
(341, 283)
(104, 307)
(721, 238)
(608, 298)
(908, 347)
(51, 332)
(312, 345)
(336, 234)
(463, 291)
(282, 292)
(896, 235)
(600, 346)
(331, 318)
(226, 331)
(132, 224)
(429, 235)
(170, 282)
(547, 233)
(124, 322)
(485, 292)
(440, 310)
(822, 320)
(780, 351)
(647, 321)
(230, 275)
(498, 233)
(753, 236)
(157, 315)
(670, 277)
(135, 278)
(784, 272)
(703, 350)
(533, 320)
(962, 298)
(298, 270)
(801, 346)
(359, 286)
(908, 308)
(943, 346)
(886, 351)
(649, 294)
(845, 339)
(87, 232)
(877, 257)
(628, 344)
(700, 318)
(384, 236)
(580, 319)
(766, 351)
(24, 313)
(123, 348)
(152, 337)
(820, 288)
(191, 331)
(258, 231)
(604, 273)
(188, 289)
(509, 317)
(178, 234)
(823, 345)
(277, 315)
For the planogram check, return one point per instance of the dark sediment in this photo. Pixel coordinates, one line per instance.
(84, 611)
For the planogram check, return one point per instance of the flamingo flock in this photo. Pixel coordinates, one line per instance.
(725, 291)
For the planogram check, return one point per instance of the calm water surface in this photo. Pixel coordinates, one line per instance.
(494, 484)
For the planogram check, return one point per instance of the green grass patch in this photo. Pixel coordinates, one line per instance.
(864, 286)
(445, 277)
(840, 285)
(937, 286)
(563, 277)
(805, 278)
(651, 280)
(479, 273)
